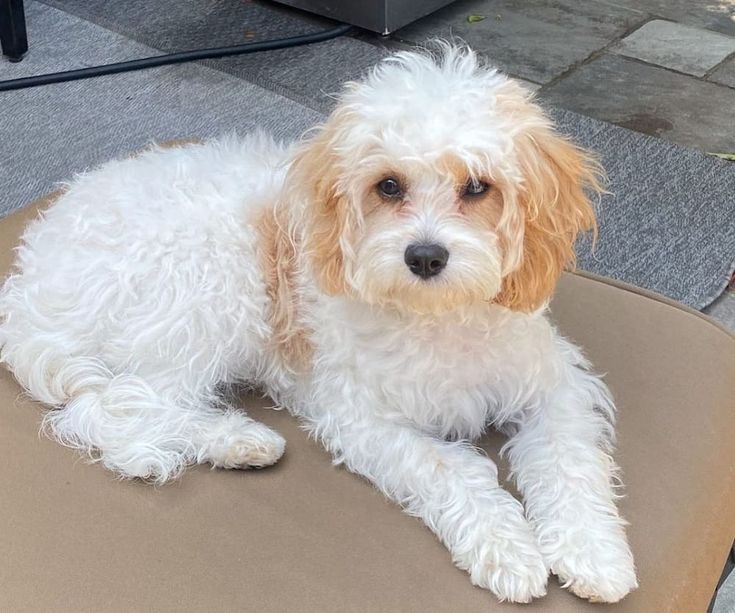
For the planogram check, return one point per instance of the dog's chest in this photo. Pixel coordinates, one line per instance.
(451, 377)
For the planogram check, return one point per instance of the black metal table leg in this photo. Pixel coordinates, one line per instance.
(13, 38)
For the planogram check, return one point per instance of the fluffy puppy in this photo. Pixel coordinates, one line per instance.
(386, 280)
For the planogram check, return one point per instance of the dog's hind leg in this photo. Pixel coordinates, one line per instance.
(123, 422)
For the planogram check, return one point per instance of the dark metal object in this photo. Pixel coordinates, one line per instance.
(13, 37)
(381, 16)
(172, 58)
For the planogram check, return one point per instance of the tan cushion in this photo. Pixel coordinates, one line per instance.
(306, 536)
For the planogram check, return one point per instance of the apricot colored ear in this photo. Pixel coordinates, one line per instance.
(325, 213)
(555, 207)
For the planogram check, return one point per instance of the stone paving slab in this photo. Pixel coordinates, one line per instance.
(651, 100)
(716, 15)
(529, 85)
(673, 45)
(536, 40)
(725, 74)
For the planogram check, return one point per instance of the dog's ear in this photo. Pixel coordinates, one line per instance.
(325, 215)
(553, 208)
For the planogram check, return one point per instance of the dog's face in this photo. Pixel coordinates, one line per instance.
(437, 183)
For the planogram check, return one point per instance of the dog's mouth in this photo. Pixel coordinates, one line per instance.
(431, 296)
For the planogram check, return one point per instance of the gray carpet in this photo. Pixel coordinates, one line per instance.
(668, 225)
(304, 74)
(669, 222)
(48, 134)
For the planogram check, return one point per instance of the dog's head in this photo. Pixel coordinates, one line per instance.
(437, 183)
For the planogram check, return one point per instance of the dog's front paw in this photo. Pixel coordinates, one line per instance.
(601, 570)
(512, 577)
(509, 564)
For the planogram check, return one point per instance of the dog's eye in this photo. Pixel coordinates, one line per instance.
(474, 188)
(390, 188)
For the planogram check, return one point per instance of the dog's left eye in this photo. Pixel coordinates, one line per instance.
(390, 188)
(474, 188)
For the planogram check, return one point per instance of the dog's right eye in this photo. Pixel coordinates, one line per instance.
(390, 188)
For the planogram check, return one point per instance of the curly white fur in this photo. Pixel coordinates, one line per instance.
(154, 281)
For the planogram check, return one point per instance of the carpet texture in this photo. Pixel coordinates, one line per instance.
(49, 133)
(667, 225)
(305, 74)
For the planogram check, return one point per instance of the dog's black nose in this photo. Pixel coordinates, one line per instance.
(426, 260)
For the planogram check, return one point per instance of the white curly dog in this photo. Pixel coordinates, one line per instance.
(386, 280)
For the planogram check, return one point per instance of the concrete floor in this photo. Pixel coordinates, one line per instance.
(664, 68)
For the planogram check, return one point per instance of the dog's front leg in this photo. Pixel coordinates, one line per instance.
(452, 488)
(560, 457)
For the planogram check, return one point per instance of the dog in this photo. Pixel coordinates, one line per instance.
(386, 279)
